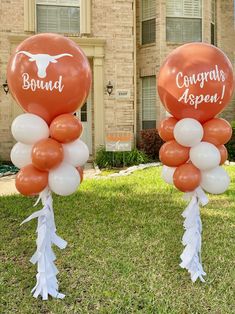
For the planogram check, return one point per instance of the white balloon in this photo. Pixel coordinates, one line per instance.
(167, 174)
(205, 156)
(21, 154)
(188, 132)
(29, 128)
(215, 181)
(76, 153)
(64, 180)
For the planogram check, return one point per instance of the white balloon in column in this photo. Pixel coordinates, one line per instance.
(188, 132)
(76, 153)
(215, 181)
(64, 180)
(21, 154)
(167, 174)
(205, 156)
(29, 128)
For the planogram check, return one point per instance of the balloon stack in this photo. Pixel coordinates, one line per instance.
(50, 78)
(195, 84)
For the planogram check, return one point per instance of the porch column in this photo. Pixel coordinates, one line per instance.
(98, 79)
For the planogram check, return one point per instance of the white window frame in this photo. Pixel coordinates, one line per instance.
(141, 111)
(199, 17)
(61, 3)
(142, 19)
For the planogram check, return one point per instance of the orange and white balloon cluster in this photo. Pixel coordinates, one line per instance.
(50, 78)
(193, 154)
(195, 84)
(48, 156)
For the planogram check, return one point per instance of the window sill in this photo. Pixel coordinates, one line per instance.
(172, 43)
(147, 45)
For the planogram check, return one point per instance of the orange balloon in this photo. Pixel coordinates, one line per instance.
(48, 75)
(31, 181)
(187, 177)
(223, 153)
(166, 128)
(173, 154)
(196, 81)
(217, 131)
(66, 128)
(80, 170)
(47, 154)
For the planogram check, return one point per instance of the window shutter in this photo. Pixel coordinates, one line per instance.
(58, 19)
(184, 8)
(174, 8)
(192, 8)
(148, 9)
(149, 101)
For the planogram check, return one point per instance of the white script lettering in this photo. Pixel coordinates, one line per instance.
(186, 80)
(40, 84)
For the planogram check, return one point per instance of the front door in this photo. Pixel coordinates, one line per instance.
(84, 114)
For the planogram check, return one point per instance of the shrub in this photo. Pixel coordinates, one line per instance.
(150, 143)
(119, 159)
(231, 146)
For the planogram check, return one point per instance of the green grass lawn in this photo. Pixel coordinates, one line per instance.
(124, 242)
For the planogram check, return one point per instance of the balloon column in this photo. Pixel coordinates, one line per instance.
(50, 77)
(195, 84)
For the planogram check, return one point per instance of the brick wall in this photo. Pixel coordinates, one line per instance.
(11, 22)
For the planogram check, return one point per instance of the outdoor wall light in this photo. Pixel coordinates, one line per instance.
(5, 87)
(109, 88)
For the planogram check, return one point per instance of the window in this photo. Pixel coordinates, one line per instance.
(148, 21)
(58, 16)
(149, 102)
(183, 20)
(213, 20)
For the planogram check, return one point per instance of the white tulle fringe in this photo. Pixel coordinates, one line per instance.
(44, 256)
(191, 256)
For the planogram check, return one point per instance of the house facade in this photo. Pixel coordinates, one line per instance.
(125, 42)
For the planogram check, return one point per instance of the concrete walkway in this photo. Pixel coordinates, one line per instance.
(7, 183)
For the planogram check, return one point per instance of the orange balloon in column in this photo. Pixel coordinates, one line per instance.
(173, 154)
(187, 177)
(49, 75)
(31, 181)
(47, 154)
(223, 153)
(217, 131)
(66, 128)
(166, 128)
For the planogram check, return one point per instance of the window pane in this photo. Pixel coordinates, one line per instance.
(149, 102)
(149, 124)
(184, 8)
(148, 31)
(213, 34)
(148, 9)
(58, 19)
(84, 113)
(183, 30)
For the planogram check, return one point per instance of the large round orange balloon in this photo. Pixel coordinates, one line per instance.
(31, 181)
(223, 153)
(47, 154)
(196, 81)
(166, 128)
(65, 128)
(173, 154)
(217, 131)
(49, 75)
(187, 177)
